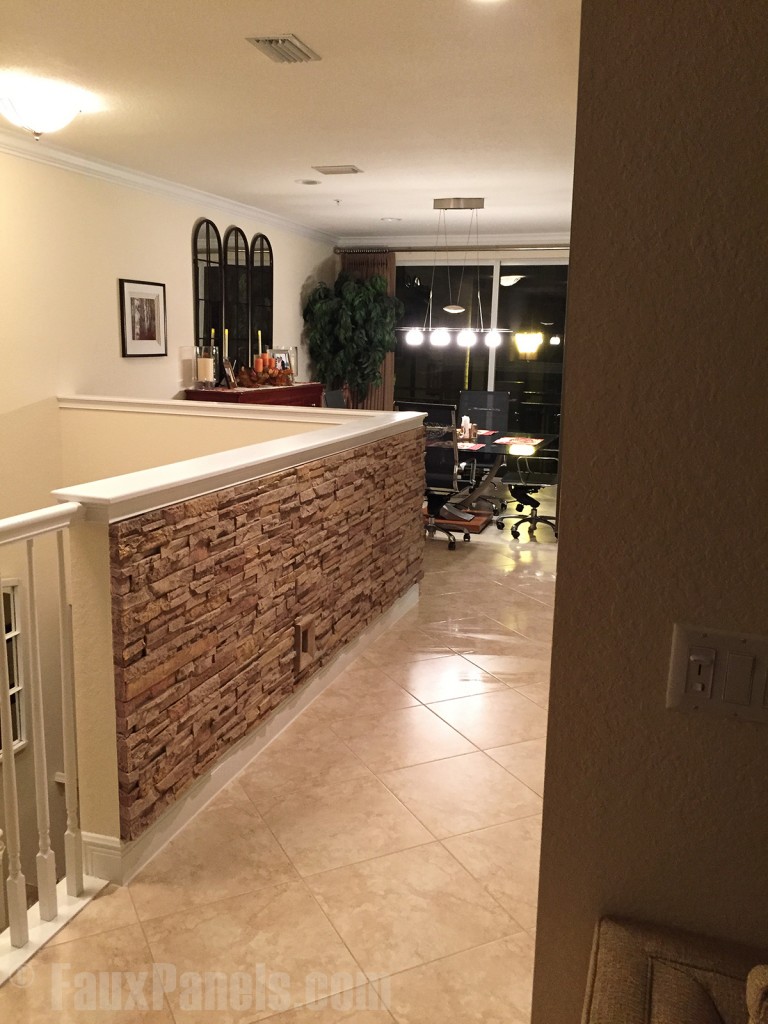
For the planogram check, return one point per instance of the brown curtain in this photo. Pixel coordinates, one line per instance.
(365, 263)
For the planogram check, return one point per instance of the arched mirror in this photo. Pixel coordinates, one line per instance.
(236, 297)
(206, 260)
(261, 293)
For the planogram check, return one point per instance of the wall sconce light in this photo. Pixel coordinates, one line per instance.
(42, 105)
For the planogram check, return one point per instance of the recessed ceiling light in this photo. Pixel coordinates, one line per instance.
(391, 220)
(306, 181)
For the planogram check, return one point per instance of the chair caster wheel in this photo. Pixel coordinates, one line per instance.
(466, 538)
(555, 535)
(503, 506)
(452, 545)
(499, 525)
(516, 534)
(519, 508)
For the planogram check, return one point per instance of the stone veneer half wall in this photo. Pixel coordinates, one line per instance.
(206, 594)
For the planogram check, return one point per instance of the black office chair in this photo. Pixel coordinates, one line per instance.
(530, 474)
(334, 400)
(441, 465)
(434, 413)
(489, 410)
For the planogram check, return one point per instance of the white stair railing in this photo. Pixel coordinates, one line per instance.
(13, 891)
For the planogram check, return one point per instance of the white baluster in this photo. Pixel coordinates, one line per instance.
(3, 911)
(46, 858)
(73, 841)
(17, 884)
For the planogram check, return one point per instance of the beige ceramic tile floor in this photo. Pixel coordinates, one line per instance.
(377, 862)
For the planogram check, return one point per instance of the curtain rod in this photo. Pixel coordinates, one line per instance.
(457, 248)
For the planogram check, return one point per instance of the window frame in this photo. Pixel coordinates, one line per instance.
(11, 638)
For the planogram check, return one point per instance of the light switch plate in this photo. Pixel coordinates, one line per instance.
(718, 673)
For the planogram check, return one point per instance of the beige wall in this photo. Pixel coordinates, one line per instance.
(67, 238)
(103, 443)
(648, 812)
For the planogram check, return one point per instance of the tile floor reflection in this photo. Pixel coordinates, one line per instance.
(378, 862)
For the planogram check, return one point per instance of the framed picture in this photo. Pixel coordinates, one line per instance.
(282, 359)
(229, 374)
(142, 318)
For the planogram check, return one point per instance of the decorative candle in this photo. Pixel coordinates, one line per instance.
(259, 333)
(258, 364)
(226, 341)
(206, 361)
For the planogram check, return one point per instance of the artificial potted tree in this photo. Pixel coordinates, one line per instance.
(350, 329)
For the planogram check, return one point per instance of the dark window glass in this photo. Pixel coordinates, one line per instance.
(427, 374)
(535, 303)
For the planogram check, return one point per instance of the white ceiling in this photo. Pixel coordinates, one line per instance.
(429, 97)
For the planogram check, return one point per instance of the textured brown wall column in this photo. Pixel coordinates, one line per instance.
(205, 595)
(651, 813)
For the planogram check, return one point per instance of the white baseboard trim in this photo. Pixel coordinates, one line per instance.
(112, 859)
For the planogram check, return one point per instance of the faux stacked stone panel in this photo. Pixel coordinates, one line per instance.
(206, 594)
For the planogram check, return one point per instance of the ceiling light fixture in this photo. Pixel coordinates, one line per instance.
(306, 181)
(467, 337)
(507, 280)
(42, 105)
(528, 343)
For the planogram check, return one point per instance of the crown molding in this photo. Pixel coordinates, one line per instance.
(555, 241)
(44, 153)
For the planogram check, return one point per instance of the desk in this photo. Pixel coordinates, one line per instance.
(307, 395)
(499, 453)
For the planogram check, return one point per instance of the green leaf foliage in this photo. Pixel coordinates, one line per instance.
(350, 328)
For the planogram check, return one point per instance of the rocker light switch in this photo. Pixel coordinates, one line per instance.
(717, 673)
(738, 679)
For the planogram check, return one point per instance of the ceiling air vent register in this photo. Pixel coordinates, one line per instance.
(336, 169)
(285, 49)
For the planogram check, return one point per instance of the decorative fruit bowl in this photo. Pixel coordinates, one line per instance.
(248, 378)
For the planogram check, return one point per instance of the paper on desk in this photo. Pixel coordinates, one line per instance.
(468, 446)
(519, 440)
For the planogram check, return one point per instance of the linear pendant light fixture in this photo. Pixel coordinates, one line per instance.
(467, 337)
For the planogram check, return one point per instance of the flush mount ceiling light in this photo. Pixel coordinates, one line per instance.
(507, 280)
(284, 49)
(306, 181)
(42, 105)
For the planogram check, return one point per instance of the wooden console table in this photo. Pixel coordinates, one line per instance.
(295, 394)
